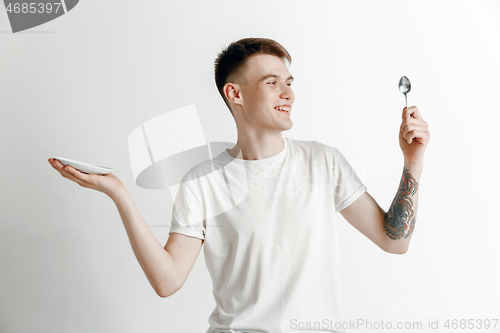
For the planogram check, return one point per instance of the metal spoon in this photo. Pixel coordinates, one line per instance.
(404, 87)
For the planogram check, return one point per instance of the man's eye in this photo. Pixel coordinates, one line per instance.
(273, 82)
(289, 84)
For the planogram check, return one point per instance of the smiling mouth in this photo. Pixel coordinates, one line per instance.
(284, 109)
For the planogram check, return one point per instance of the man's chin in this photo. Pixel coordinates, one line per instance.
(286, 128)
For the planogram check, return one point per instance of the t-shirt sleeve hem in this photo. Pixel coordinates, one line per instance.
(353, 197)
(187, 231)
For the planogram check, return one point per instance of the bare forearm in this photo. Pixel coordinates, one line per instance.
(400, 220)
(155, 261)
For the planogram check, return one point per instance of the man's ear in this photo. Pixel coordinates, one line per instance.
(233, 93)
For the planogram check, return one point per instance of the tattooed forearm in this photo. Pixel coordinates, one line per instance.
(400, 219)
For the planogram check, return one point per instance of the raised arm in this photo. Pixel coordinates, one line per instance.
(399, 221)
(392, 230)
(165, 267)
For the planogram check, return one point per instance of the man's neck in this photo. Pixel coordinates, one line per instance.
(257, 147)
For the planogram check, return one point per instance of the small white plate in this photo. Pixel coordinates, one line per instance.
(85, 167)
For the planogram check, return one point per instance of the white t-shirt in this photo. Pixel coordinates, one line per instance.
(270, 236)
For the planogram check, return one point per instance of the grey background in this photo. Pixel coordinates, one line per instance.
(76, 87)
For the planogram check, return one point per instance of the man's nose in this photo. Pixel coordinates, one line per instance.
(287, 93)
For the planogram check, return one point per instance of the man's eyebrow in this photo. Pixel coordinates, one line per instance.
(267, 76)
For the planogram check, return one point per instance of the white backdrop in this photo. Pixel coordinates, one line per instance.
(77, 86)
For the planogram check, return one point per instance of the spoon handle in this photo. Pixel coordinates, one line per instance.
(406, 101)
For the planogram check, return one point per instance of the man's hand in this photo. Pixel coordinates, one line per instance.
(414, 135)
(108, 184)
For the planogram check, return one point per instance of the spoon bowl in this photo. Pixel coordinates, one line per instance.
(404, 87)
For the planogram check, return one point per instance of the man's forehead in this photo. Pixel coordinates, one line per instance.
(263, 66)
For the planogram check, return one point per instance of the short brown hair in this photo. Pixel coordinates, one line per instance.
(232, 60)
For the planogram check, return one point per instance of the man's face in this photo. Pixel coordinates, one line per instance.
(267, 89)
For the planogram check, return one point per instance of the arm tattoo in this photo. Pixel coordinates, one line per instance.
(401, 212)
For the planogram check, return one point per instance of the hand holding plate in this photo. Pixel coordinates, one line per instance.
(108, 184)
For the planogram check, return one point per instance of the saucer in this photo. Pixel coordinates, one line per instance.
(85, 167)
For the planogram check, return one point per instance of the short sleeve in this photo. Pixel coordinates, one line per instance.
(347, 187)
(187, 214)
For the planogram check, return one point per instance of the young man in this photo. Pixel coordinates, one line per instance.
(265, 209)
